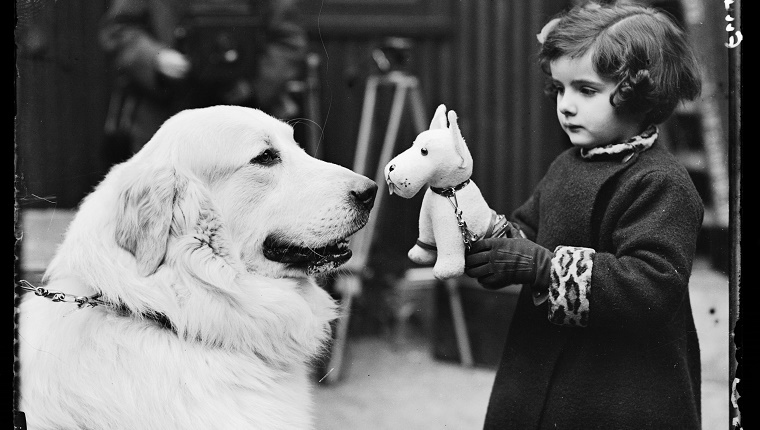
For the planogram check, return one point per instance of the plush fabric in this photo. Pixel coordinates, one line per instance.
(453, 212)
(632, 362)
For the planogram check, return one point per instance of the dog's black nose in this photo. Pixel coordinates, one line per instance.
(365, 197)
(391, 167)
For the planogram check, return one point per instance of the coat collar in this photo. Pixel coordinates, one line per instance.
(626, 149)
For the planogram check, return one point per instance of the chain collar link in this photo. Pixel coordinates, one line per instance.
(468, 236)
(58, 296)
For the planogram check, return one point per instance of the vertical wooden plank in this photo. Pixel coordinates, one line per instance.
(429, 76)
(515, 137)
(480, 116)
(61, 98)
(447, 71)
(502, 157)
(534, 78)
(464, 61)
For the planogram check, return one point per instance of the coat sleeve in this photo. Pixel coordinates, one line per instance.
(126, 37)
(283, 56)
(642, 282)
(526, 216)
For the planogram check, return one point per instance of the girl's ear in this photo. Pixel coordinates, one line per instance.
(439, 118)
(459, 144)
(144, 215)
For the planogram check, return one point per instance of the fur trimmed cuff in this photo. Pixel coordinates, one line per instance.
(570, 289)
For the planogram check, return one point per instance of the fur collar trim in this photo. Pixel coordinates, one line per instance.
(638, 143)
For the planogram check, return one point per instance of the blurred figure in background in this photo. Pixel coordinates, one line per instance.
(173, 55)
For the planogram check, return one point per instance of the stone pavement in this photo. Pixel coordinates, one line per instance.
(401, 386)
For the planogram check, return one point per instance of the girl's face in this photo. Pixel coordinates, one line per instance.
(583, 105)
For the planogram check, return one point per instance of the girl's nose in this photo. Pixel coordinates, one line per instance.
(565, 105)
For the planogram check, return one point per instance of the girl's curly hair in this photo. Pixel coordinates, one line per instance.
(640, 48)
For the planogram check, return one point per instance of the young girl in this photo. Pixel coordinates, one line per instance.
(603, 336)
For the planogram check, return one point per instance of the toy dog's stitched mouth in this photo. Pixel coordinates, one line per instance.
(313, 260)
(391, 186)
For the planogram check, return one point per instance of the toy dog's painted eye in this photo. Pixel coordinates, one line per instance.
(424, 151)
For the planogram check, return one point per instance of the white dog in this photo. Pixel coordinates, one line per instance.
(192, 263)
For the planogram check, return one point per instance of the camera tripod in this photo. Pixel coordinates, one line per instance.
(406, 92)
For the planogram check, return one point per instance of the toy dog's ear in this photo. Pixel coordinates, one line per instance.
(459, 144)
(439, 118)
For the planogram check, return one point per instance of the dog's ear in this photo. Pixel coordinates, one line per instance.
(439, 118)
(459, 144)
(144, 215)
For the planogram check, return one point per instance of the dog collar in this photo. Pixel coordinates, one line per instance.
(448, 192)
(92, 301)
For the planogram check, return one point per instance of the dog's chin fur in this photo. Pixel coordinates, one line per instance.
(178, 231)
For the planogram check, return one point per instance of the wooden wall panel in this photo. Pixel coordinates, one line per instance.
(61, 98)
(372, 17)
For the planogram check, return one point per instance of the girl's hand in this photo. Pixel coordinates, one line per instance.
(498, 262)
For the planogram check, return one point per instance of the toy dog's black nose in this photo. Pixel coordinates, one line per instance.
(365, 196)
(391, 167)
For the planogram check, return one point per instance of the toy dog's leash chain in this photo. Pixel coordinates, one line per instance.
(450, 193)
(58, 296)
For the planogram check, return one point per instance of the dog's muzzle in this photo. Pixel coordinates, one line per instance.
(333, 252)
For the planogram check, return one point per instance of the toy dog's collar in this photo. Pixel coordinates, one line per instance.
(449, 192)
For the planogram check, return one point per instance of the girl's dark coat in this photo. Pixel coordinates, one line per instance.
(637, 364)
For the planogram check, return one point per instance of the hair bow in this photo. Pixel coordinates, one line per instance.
(546, 30)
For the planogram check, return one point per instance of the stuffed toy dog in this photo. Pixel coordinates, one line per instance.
(453, 212)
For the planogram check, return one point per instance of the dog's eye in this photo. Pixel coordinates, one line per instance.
(266, 158)
(424, 151)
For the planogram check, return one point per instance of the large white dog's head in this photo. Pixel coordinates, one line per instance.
(233, 181)
(439, 157)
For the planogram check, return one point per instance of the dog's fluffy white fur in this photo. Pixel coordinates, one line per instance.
(179, 230)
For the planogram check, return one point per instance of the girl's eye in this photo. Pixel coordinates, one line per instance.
(559, 89)
(588, 91)
(266, 158)
(424, 151)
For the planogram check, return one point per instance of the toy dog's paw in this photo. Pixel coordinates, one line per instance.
(421, 256)
(446, 271)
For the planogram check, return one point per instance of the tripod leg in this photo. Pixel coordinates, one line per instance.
(363, 239)
(312, 104)
(349, 283)
(365, 125)
(460, 324)
(418, 109)
(389, 144)
(349, 286)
